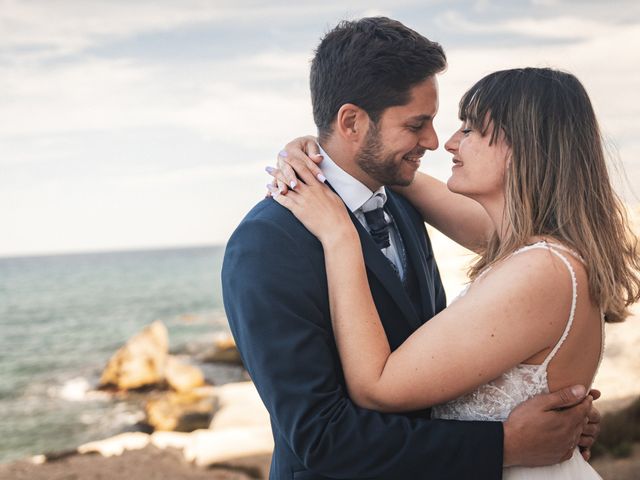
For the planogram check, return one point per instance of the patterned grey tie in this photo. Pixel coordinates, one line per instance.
(381, 229)
(378, 225)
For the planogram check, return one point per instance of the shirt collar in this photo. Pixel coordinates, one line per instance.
(353, 192)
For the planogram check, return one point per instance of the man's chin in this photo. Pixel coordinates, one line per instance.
(396, 180)
(405, 182)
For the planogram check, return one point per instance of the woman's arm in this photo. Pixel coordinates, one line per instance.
(495, 326)
(458, 217)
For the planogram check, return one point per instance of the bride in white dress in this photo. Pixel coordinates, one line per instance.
(529, 192)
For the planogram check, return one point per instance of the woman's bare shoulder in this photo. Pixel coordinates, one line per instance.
(530, 284)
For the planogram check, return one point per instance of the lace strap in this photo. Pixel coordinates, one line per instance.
(571, 251)
(551, 245)
(574, 286)
(602, 321)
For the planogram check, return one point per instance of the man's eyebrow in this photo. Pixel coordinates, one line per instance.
(421, 118)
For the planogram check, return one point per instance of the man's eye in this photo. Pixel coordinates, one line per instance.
(466, 131)
(415, 128)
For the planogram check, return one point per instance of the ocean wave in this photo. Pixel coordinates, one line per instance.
(120, 415)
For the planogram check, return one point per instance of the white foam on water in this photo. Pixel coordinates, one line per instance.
(77, 389)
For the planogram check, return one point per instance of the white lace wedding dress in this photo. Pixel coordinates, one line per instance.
(496, 399)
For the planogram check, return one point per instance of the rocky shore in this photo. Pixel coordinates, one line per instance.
(149, 463)
(191, 429)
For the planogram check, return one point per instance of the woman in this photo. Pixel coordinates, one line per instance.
(557, 259)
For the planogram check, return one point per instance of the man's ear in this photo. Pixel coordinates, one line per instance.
(352, 122)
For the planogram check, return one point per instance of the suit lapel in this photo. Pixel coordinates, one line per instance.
(378, 264)
(416, 256)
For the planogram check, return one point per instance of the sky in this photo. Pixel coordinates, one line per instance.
(148, 124)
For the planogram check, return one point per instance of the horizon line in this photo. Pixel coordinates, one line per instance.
(107, 250)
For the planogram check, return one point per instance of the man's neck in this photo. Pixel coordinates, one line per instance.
(344, 157)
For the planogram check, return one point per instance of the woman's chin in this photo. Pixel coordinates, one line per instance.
(456, 186)
(452, 185)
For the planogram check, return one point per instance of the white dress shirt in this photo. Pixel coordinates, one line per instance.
(354, 194)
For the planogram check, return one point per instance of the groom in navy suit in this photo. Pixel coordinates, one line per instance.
(275, 287)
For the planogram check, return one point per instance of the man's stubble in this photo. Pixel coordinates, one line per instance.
(378, 164)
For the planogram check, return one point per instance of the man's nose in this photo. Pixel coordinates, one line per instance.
(429, 139)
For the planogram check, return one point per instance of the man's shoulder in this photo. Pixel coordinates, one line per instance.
(267, 236)
(270, 218)
(402, 202)
(408, 208)
(269, 211)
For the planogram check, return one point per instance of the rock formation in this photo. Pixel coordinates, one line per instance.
(181, 411)
(224, 351)
(140, 362)
(181, 376)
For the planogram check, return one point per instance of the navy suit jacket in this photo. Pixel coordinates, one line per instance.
(276, 299)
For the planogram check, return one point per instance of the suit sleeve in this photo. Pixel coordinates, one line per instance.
(277, 307)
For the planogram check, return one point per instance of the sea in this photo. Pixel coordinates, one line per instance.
(62, 317)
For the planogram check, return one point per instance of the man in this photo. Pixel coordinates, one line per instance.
(374, 92)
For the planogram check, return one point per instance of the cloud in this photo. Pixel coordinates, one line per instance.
(186, 177)
(66, 27)
(109, 140)
(223, 99)
(42, 29)
(553, 28)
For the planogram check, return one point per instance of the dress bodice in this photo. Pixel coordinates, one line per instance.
(495, 400)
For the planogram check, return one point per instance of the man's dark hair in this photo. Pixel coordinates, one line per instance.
(373, 63)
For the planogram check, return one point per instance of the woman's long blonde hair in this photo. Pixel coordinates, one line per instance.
(557, 184)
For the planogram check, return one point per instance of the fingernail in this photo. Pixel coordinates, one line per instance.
(271, 188)
(283, 153)
(578, 390)
(319, 155)
(321, 178)
(269, 170)
(293, 184)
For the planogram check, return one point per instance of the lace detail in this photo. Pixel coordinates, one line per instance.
(495, 400)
